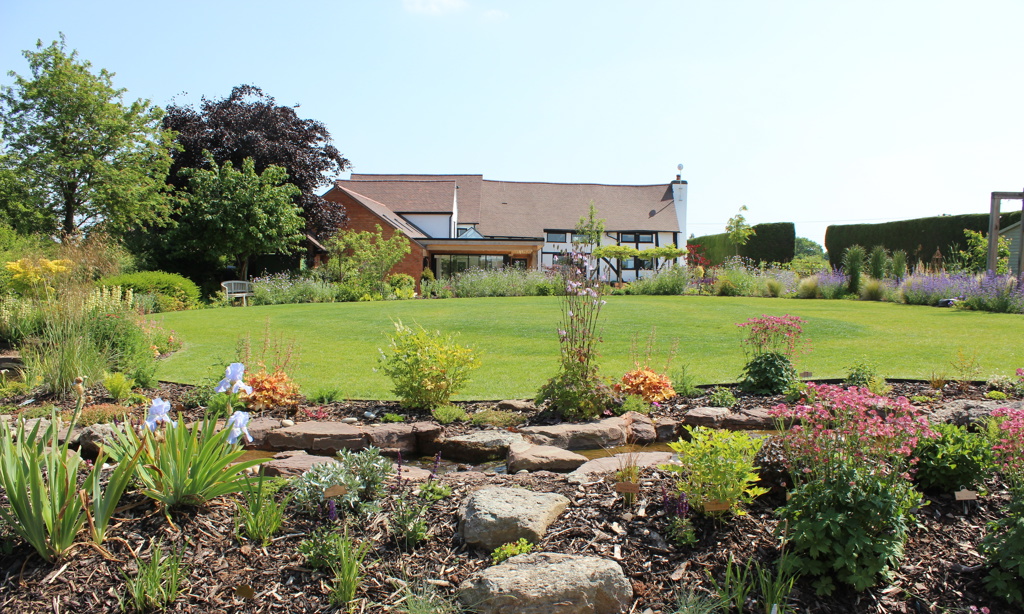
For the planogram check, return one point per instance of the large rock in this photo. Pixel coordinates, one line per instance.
(706, 416)
(91, 437)
(326, 437)
(259, 427)
(516, 405)
(967, 412)
(480, 447)
(542, 458)
(428, 437)
(639, 428)
(599, 467)
(754, 419)
(549, 583)
(493, 516)
(293, 463)
(608, 433)
(393, 438)
(667, 428)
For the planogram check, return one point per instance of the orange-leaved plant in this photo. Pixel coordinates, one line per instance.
(653, 387)
(271, 390)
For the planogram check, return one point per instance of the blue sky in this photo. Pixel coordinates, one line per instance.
(805, 111)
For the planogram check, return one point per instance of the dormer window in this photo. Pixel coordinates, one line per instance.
(558, 237)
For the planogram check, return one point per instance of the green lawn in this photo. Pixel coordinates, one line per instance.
(337, 343)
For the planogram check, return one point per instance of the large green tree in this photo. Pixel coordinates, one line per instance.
(73, 154)
(236, 214)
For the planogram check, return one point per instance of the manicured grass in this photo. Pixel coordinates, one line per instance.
(517, 341)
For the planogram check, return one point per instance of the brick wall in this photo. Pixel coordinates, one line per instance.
(362, 219)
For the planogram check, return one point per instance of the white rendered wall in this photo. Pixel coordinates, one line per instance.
(436, 226)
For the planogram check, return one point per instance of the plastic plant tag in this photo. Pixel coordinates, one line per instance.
(335, 491)
(716, 506)
(627, 487)
(245, 591)
(966, 495)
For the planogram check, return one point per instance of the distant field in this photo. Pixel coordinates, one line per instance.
(337, 343)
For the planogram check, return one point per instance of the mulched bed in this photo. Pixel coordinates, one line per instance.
(941, 571)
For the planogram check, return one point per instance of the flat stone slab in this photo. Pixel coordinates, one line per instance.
(608, 433)
(549, 583)
(328, 437)
(599, 467)
(754, 419)
(480, 446)
(493, 516)
(516, 405)
(259, 427)
(542, 458)
(293, 463)
(393, 439)
(639, 428)
(706, 416)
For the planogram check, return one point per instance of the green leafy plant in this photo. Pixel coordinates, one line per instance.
(628, 472)
(1003, 547)
(685, 384)
(506, 551)
(407, 520)
(735, 587)
(390, 417)
(956, 458)
(691, 602)
(996, 395)
(426, 368)
(448, 414)
(424, 599)
(496, 417)
(360, 474)
(769, 373)
(716, 468)
(433, 490)
(118, 386)
(853, 265)
(680, 527)
(323, 396)
(328, 549)
(774, 589)
(259, 515)
(860, 374)
(187, 465)
(157, 583)
(721, 397)
(634, 403)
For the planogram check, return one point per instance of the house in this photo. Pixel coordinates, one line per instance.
(457, 222)
(1013, 237)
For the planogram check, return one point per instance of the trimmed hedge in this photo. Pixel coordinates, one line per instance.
(173, 291)
(919, 238)
(775, 242)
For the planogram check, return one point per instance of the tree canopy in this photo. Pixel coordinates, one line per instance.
(249, 124)
(363, 259)
(738, 229)
(240, 213)
(73, 154)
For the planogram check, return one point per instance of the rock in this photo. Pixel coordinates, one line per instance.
(480, 446)
(514, 405)
(393, 439)
(639, 428)
(667, 428)
(428, 437)
(535, 458)
(493, 516)
(756, 419)
(414, 474)
(706, 416)
(967, 412)
(608, 433)
(594, 469)
(327, 437)
(92, 437)
(549, 583)
(258, 428)
(287, 422)
(293, 463)
(349, 420)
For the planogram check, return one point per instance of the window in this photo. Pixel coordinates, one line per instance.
(633, 237)
(627, 237)
(645, 238)
(558, 237)
(450, 264)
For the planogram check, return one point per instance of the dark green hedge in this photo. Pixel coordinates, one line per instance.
(771, 243)
(919, 238)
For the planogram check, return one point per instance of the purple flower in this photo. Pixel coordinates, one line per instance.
(233, 380)
(239, 425)
(158, 412)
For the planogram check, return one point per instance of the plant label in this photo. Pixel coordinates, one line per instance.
(966, 495)
(716, 506)
(627, 487)
(335, 491)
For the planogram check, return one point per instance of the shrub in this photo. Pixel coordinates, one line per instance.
(118, 386)
(832, 285)
(650, 386)
(877, 262)
(634, 402)
(673, 280)
(684, 383)
(808, 288)
(289, 288)
(996, 395)
(721, 397)
(178, 292)
(769, 373)
(853, 265)
(449, 413)
(361, 474)
(270, 390)
(956, 458)
(101, 413)
(716, 467)
(873, 290)
(506, 551)
(850, 455)
(426, 368)
(860, 374)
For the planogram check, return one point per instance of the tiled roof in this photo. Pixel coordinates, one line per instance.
(526, 209)
(385, 213)
(405, 195)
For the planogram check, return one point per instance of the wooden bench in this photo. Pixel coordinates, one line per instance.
(237, 289)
